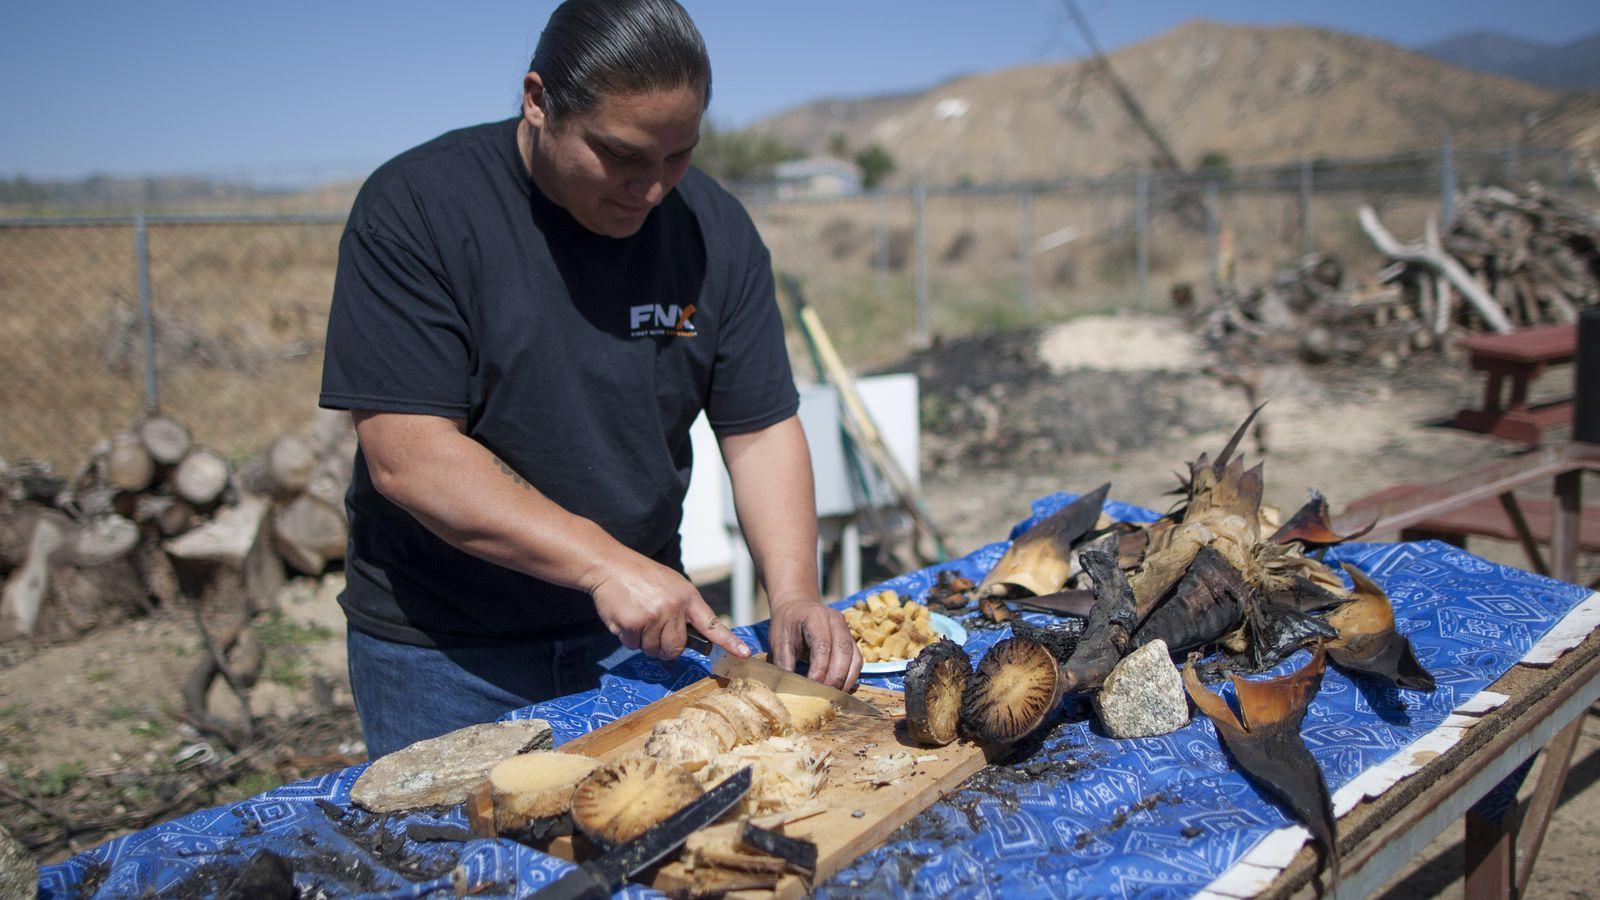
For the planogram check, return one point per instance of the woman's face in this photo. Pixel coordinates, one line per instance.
(610, 166)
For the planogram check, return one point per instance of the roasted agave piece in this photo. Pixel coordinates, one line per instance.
(935, 683)
(1040, 561)
(1368, 642)
(1107, 634)
(1017, 685)
(952, 590)
(1265, 740)
(621, 800)
(995, 610)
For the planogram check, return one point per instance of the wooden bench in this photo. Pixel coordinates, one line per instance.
(1519, 357)
(1508, 517)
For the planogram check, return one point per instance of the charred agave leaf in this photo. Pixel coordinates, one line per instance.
(1305, 595)
(1075, 603)
(1040, 560)
(1277, 631)
(1016, 686)
(1209, 602)
(1367, 641)
(1109, 629)
(1060, 638)
(1311, 525)
(935, 683)
(1265, 740)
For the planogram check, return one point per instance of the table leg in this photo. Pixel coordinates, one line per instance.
(1519, 388)
(1491, 855)
(1564, 528)
(1546, 794)
(1491, 393)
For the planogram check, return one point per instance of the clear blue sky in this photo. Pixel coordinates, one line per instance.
(293, 86)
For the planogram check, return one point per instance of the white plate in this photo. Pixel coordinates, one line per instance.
(944, 625)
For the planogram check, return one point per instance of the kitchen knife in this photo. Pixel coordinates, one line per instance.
(599, 877)
(726, 665)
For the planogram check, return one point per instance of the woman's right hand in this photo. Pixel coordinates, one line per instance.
(648, 606)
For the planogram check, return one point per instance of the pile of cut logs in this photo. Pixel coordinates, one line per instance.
(152, 516)
(1509, 260)
(1309, 310)
(1516, 259)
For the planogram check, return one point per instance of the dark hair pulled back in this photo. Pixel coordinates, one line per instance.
(592, 48)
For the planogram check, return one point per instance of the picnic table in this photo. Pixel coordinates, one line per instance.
(1070, 812)
(1519, 357)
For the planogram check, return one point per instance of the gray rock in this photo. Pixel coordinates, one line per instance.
(19, 871)
(442, 771)
(1143, 696)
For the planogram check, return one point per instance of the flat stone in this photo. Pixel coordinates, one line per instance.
(19, 871)
(1143, 696)
(442, 771)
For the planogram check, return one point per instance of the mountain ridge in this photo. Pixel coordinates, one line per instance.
(1254, 94)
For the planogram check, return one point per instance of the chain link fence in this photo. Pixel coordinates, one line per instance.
(218, 320)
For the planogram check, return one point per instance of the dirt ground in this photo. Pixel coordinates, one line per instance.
(1007, 418)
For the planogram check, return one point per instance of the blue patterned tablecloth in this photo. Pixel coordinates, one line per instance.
(1074, 812)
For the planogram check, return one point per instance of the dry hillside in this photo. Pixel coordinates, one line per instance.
(1259, 95)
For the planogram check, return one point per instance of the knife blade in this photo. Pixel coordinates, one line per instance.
(598, 877)
(726, 665)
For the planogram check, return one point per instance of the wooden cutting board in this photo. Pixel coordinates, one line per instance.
(857, 816)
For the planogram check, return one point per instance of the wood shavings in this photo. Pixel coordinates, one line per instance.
(888, 769)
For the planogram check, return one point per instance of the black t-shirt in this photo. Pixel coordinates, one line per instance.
(580, 360)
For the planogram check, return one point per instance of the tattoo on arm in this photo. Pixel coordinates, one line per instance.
(512, 474)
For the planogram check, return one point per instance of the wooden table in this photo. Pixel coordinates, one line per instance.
(1546, 707)
(1519, 357)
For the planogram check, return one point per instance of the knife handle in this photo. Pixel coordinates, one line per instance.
(579, 884)
(697, 641)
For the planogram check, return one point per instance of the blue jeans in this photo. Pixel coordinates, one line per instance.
(405, 693)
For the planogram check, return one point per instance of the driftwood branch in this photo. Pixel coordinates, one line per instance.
(1440, 263)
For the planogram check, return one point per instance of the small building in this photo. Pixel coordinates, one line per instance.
(818, 176)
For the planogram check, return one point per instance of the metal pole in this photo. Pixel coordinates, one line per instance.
(1447, 183)
(1141, 224)
(1212, 250)
(1025, 250)
(1511, 164)
(141, 253)
(881, 257)
(1305, 206)
(919, 198)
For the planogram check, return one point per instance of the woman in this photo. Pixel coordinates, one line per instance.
(528, 316)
